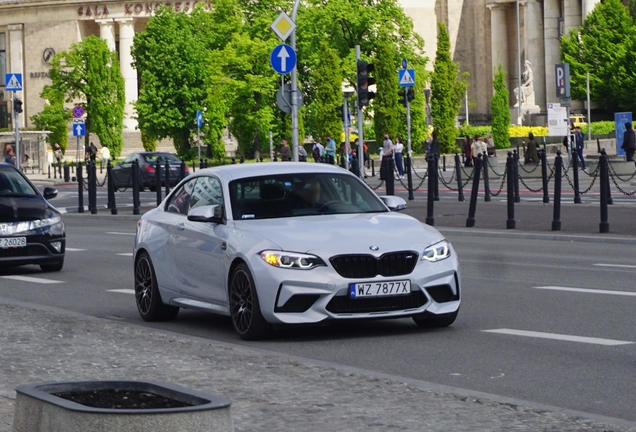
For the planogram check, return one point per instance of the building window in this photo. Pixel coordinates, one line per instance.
(3, 57)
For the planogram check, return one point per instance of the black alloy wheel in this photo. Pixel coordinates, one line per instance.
(149, 303)
(245, 309)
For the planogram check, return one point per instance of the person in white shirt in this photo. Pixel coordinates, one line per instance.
(478, 147)
(104, 155)
(398, 149)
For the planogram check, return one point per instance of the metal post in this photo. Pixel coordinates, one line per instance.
(515, 174)
(294, 89)
(345, 122)
(17, 133)
(91, 170)
(389, 176)
(604, 225)
(271, 147)
(135, 186)
(519, 121)
(589, 111)
(486, 182)
(558, 170)
(167, 164)
(430, 195)
(472, 208)
(458, 171)
(158, 182)
(575, 167)
(510, 165)
(436, 178)
(80, 189)
(544, 176)
(361, 128)
(199, 137)
(409, 177)
(111, 188)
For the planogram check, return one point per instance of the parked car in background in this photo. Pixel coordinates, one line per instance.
(31, 229)
(295, 243)
(122, 171)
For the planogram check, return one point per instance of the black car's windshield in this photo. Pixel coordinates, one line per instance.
(13, 184)
(302, 194)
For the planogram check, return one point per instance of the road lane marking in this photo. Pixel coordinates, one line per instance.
(68, 249)
(123, 291)
(32, 279)
(616, 265)
(120, 233)
(588, 291)
(561, 337)
(125, 254)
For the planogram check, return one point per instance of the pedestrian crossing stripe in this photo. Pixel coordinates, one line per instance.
(13, 84)
(407, 79)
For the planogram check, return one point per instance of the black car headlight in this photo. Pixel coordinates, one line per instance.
(52, 224)
(291, 260)
(437, 251)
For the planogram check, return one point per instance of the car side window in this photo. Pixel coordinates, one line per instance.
(207, 191)
(180, 201)
(130, 158)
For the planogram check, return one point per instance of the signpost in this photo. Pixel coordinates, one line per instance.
(283, 59)
(406, 78)
(13, 82)
(199, 119)
(79, 130)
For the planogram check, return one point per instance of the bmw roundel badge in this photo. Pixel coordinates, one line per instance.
(374, 247)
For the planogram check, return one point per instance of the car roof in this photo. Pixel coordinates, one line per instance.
(236, 171)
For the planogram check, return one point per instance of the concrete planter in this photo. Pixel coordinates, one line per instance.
(38, 409)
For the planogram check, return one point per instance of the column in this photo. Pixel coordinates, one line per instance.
(16, 65)
(588, 6)
(107, 32)
(126, 35)
(498, 36)
(551, 15)
(534, 48)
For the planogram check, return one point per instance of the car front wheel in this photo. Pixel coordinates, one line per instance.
(247, 319)
(149, 303)
(429, 320)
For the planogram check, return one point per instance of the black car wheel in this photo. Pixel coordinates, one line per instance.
(429, 320)
(52, 267)
(147, 297)
(245, 309)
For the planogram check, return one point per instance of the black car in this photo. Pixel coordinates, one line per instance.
(31, 229)
(147, 169)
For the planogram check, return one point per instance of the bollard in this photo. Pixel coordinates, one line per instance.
(111, 189)
(73, 168)
(167, 177)
(444, 162)
(458, 171)
(409, 177)
(101, 166)
(486, 182)
(49, 170)
(472, 208)
(558, 169)
(91, 171)
(67, 175)
(515, 173)
(544, 176)
(194, 168)
(55, 172)
(598, 145)
(242, 160)
(575, 165)
(158, 182)
(372, 167)
(510, 167)
(430, 195)
(436, 178)
(201, 164)
(389, 176)
(80, 189)
(182, 170)
(135, 186)
(603, 161)
(234, 160)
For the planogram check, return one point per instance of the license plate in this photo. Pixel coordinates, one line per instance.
(379, 289)
(11, 242)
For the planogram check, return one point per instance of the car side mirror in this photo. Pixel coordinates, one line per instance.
(209, 213)
(49, 192)
(394, 203)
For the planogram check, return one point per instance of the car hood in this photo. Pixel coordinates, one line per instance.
(16, 209)
(349, 233)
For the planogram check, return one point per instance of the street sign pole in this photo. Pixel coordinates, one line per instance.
(199, 141)
(16, 116)
(360, 128)
(294, 89)
(271, 147)
(345, 122)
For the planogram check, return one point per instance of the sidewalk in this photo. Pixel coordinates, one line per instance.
(269, 391)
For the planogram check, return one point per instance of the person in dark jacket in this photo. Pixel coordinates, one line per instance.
(532, 155)
(434, 149)
(629, 142)
(468, 159)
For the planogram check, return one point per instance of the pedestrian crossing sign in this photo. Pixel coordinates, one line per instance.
(406, 77)
(13, 82)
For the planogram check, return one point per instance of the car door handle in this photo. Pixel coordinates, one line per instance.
(181, 226)
(223, 246)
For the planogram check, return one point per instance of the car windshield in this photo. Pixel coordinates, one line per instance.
(301, 194)
(13, 184)
(161, 157)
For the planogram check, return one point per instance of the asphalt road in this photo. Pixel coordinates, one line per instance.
(580, 356)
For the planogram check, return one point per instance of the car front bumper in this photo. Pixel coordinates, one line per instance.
(38, 250)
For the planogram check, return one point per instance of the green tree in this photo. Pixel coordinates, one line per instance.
(631, 5)
(88, 74)
(500, 110)
(447, 90)
(328, 82)
(598, 47)
(54, 117)
(386, 112)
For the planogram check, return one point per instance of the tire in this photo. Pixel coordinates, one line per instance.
(245, 309)
(429, 320)
(52, 267)
(147, 297)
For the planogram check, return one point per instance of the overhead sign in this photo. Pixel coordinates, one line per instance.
(13, 82)
(406, 77)
(79, 129)
(283, 98)
(199, 119)
(283, 26)
(558, 122)
(562, 72)
(78, 111)
(283, 59)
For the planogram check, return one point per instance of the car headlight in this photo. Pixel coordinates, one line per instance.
(437, 252)
(291, 260)
(19, 227)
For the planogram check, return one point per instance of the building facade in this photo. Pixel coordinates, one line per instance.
(483, 34)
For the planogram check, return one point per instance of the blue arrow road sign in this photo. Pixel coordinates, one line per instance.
(406, 77)
(199, 119)
(13, 82)
(283, 59)
(79, 129)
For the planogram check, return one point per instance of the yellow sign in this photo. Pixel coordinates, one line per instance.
(283, 26)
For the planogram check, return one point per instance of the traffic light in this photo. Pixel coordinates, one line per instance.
(403, 95)
(410, 94)
(17, 105)
(364, 81)
(340, 111)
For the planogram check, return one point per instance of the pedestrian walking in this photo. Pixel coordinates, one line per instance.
(104, 155)
(398, 150)
(532, 155)
(629, 142)
(468, 156)
(579, 141)
(91, 152)
(330, 151)
(285, 151)
(57, 151)
(317, 151)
